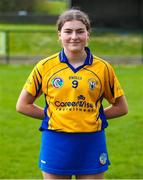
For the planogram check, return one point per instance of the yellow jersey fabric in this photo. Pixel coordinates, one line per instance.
(74, 95)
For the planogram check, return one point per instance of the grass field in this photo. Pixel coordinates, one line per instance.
(19, 135)
(44, 44)
(20, 138)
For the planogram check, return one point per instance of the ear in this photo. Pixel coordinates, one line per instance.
(88, 33)
(88, 36)
(59, 34)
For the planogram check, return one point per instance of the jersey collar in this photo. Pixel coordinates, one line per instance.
(88, 60)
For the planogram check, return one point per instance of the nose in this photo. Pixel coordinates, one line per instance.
(74, 35)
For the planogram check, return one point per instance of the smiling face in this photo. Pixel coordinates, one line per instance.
(73, 36)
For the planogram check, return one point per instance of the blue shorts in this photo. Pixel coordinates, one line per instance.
(73, 153)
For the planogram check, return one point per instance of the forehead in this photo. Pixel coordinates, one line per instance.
(74, 24)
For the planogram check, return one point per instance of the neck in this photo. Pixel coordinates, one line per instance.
(76, 58)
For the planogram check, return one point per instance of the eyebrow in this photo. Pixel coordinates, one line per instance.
(74, 29)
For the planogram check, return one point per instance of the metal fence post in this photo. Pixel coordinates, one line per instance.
(7, 47)
(142, 47)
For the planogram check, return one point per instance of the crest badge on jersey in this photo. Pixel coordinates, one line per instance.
(57, 82)
(103, 158)
(92, 83)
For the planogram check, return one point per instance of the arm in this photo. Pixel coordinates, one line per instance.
(26, 106)
(119, 108)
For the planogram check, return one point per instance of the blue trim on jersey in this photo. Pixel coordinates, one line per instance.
(38, 89)
(88, 60)
(44, 124)
(103, 118)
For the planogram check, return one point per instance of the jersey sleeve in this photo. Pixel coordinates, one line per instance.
(112, 85)
(33, 84)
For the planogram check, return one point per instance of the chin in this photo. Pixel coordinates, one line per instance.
(75, 49)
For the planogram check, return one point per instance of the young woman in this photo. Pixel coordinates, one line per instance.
(74, 83)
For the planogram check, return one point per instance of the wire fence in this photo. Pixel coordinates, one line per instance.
(30, 45)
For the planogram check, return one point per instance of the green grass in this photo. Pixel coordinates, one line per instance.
(125, 134)
(117, 43)
(45, 44)
(52, 7)
(20, 138)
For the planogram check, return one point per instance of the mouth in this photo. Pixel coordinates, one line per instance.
(74, 43)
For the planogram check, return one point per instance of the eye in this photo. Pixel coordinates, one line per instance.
(81, 31)
(68, 32)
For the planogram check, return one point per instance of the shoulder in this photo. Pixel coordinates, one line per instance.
(48, 63)
(49, 60)
(104, 68)
(101, 63)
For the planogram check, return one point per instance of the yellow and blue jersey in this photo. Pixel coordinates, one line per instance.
(74, 95)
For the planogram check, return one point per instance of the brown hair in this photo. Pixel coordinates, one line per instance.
(73, 14)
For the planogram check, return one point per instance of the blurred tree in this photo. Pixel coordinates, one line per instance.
(17, 5)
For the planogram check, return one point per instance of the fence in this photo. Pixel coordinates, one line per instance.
(6, 40)
(6, 49)
(27, 18)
